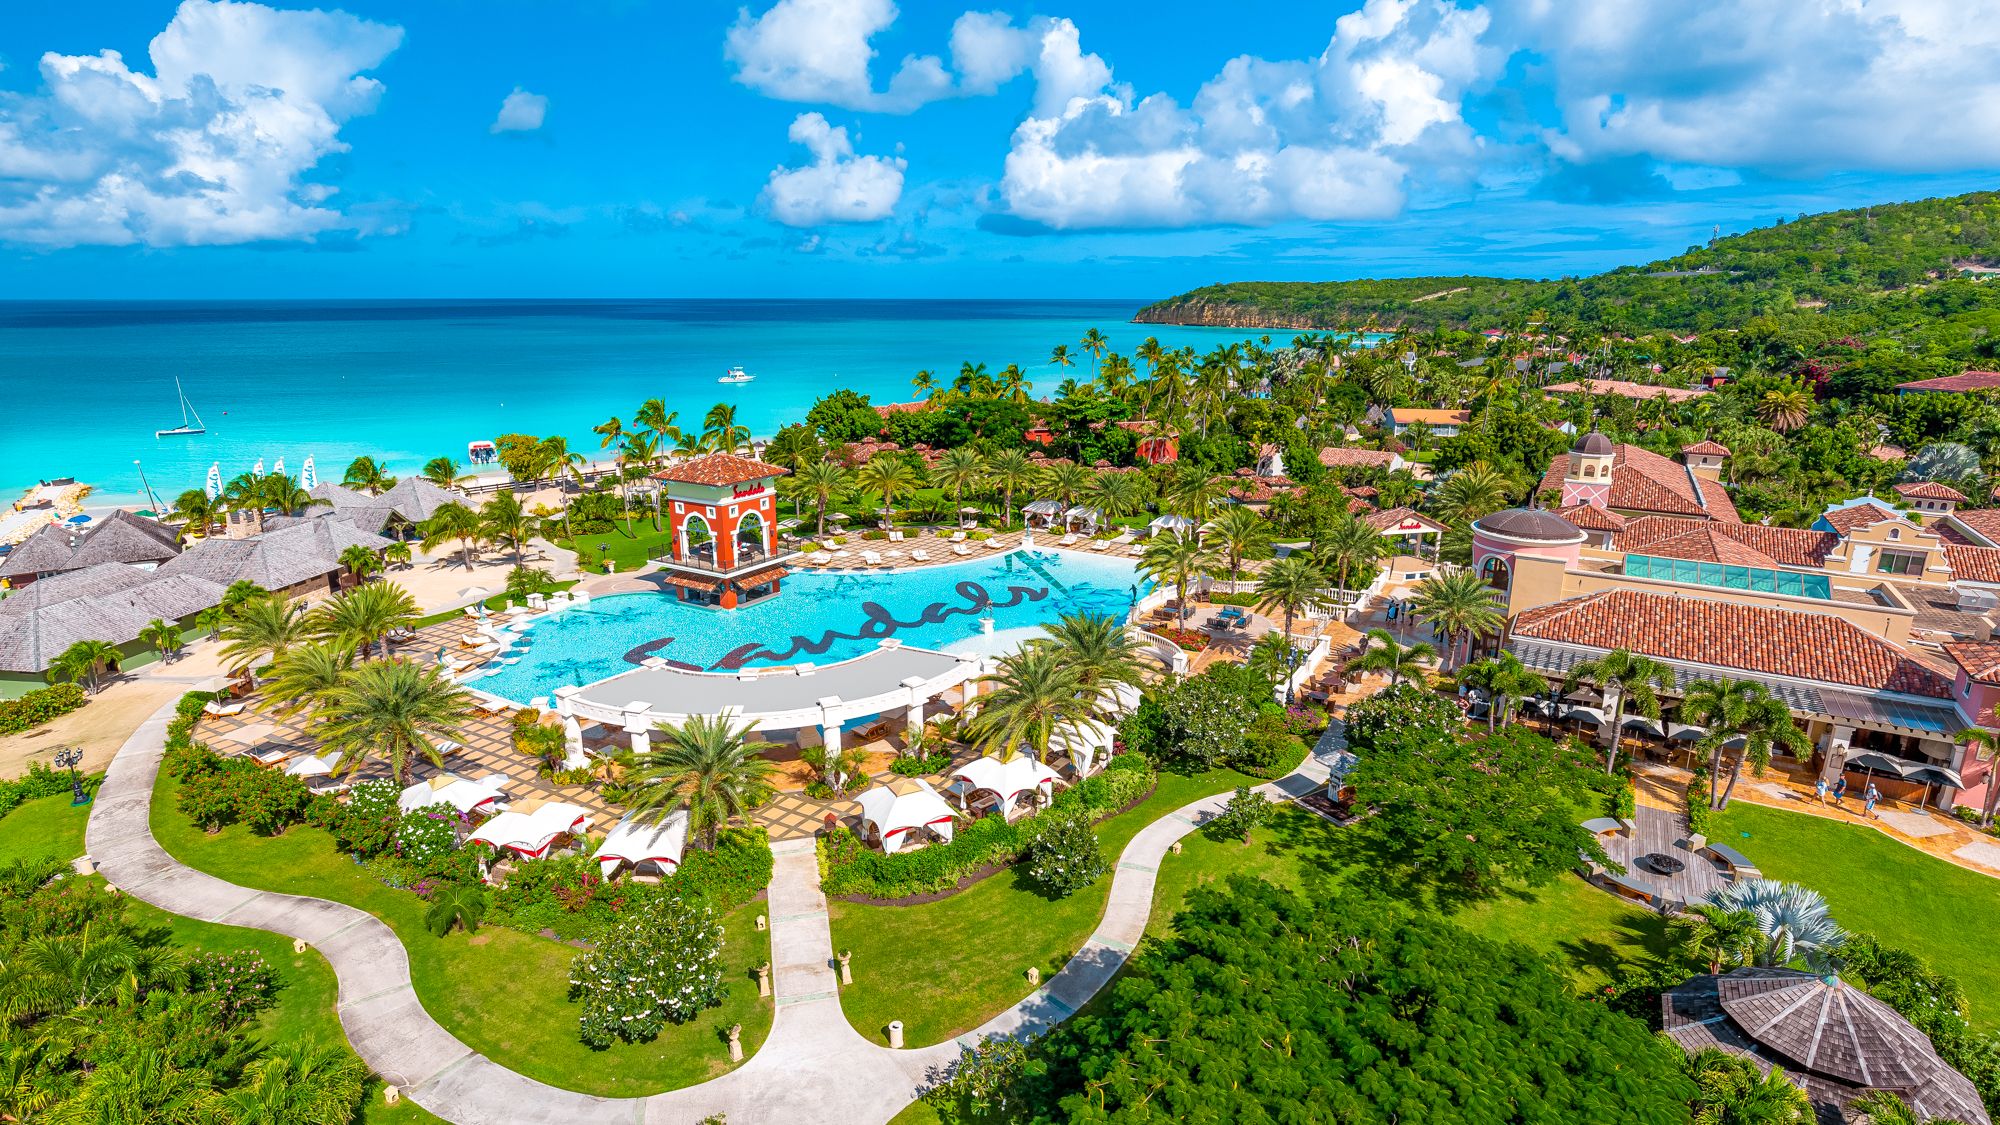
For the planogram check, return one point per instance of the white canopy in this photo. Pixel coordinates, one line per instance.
(1119, 700)
(1008, 780)
(902, 805)
(1083, 741)
(636, 841)
(531, 832)
(1043, 508)
(309, 766)
(1179, 525)
(451, 789)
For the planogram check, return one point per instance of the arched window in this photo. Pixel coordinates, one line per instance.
(697, 539)
(752, 537)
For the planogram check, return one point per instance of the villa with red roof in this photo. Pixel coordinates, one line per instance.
(1969, 381)
(722, 511)
(1630, 481)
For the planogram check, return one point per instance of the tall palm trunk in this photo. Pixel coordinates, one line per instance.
(1617, 732)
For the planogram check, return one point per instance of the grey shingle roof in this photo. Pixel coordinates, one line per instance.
(120, 537)
(45, 551)
(111, 602)
(413, 498)
(276, 559)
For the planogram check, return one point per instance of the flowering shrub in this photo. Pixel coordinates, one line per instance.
(427, 840)
(366, 824)
(41, 781)
(1190, 640)
(243, 982)
(1245, 811)
(920, 765)
(661, 963)
(38, 707)
(1064, 856)
(568, 897)
(1404, 710)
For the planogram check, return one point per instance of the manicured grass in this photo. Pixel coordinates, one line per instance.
(1938, 910)
(628, 551)
(946, 967)
(44, 828)
(503, 992)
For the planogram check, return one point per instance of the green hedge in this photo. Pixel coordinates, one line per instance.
(38, 707)
(569, 898)
(850, 867)
(41, 781)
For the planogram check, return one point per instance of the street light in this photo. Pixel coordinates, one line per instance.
(68, 759)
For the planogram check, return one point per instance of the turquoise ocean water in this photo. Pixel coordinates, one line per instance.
(84, 385)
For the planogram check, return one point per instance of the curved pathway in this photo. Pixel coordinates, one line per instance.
(814, 1067)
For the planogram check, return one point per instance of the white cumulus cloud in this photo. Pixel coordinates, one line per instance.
(818, 51)
(212, 147)
(1334, 137)
(838, 186)
(520, 112)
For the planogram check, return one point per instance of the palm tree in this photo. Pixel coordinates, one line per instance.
(1457, 606)
(392, 711)
(1176, 559)
(1348, 547)
(1504, 680)
(1093, 342)
(261, 629)
(1474, 491)
(397, 554)
(721, 430)
(562, 463)
(164, 636)
(284, 494)
(453, 520)
(1193, 492)
(1879, 1107)
(1008, 470)
(1238, 533)
(708, 765)
(1785, 409)
(503, 520)
(1031, 693)
(1716, 936)
(305, 1081)
(642, 450)
(1731, 1090)
(925, 384)
(1987, 744)
(1064, 481)
(455, 906)
(84, 660)
(443, 472)
(302, 679)
(653, 416)
(887, 475)
(1735, 709)
(958, 470)
(1629, 682)
(1115, 494)
(1293, 584)
(365, 474)
(609, 432)
(364, 616)
(195, 511)
(1383, 653)
(360, 561)
(1098, 649)
(241, 593)
(1792, 921)
(824, 482)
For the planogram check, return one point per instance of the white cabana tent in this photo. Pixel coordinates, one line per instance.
(309, 766)
(1008, 780)
(902, 806)
(1084, 741)
(1042, 512)
(636, 841)
(529, 832)
(1080, 514)
(1178, 525)
(1118, 700)
(458, 792)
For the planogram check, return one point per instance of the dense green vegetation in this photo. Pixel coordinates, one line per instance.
(1843, 260)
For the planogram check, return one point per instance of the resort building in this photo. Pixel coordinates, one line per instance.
(1637, 392)
(296, 561)
(722, 511)
(120, 537)
(1340, 457)
(1440, 423)
(1412, 532)
(111, 602)
(1629, 481)
(396, 512)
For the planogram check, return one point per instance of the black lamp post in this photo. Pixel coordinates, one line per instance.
(68, 759)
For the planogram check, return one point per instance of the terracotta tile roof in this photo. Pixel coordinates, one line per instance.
(889, 408)
(1260, 490)
(1385, 520)
(719, 470)
(1674, 538)
(1979, 659)
(1970, 381)
(1929, 490)
(1644, 481)
(1590, 517)
(1973, 564)
(1983, 522)
(1410, 416)
(1624, 388)
(1887, 452)
(1336, 456)
(1752, 638)
(1846, 520)
(1707, 449)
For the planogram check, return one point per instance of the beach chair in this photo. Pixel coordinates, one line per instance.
(1136, 550)
(958, 536)
(490, 705)
(920, 555)
(1100, 544)
(895, 537)
(994, 544)
(1068, 540)
(447, 746)
(829, 546)
(222, 710)
(960, 549)
(871, 558)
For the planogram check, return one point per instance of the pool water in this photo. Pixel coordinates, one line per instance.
(819, 617)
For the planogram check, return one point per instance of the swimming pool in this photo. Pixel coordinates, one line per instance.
(819, 617)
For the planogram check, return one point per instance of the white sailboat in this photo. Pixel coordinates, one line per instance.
(187, 411)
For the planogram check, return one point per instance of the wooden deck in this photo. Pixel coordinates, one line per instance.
(1662, 832)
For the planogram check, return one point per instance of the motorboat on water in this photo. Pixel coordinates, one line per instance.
(736, 375)
(187, 411)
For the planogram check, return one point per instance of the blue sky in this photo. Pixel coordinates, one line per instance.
(849, 148)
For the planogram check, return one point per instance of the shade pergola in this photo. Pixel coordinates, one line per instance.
(1007, 780)
(1089, 517)
(1046, 511)
(449, 789)
(902, 807)
(530, 833)
(1083, 741)
(637, 841)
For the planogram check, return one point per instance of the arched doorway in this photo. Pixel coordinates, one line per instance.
(753, 540)
(1496, 573)
(697, 540)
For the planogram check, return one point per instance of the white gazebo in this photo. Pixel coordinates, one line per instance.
(1043, 513)
(450, 789)
(1087, 516)
(1116, 701)
(1083, 740)
(1007, 780)
(530, 831)
(1179, 526)
(637, 841)
(903, 806)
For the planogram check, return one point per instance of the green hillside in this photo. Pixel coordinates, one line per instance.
(1838, 261)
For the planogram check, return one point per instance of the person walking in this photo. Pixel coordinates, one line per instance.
(1868, 805)
(1840, 791)
(1819, 790)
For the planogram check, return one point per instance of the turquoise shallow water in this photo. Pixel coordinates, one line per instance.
(819, 617)
(87, 384)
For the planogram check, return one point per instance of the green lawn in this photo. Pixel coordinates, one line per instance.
(1876, 885)
(44, 828)
(946, 967)
(628, 551)
(501, 991)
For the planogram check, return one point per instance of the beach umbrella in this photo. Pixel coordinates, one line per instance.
(1870, 761)
(1930, 773)
(77, 520)
(214, 485)
(309, 476)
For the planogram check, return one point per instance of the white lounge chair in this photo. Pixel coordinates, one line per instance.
(920, 555)
(222, 710)
(871, 558)
(958, 536)
(895, 537)
(960, 549)
(828, 545)
(1068, 540)
(1100, 544)
(994, 544)
(447, 746)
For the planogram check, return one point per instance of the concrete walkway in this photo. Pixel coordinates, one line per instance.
(813, 1068)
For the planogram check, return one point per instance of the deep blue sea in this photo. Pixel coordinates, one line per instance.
(84, 385)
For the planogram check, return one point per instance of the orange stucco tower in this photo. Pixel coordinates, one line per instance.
(722, 511)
